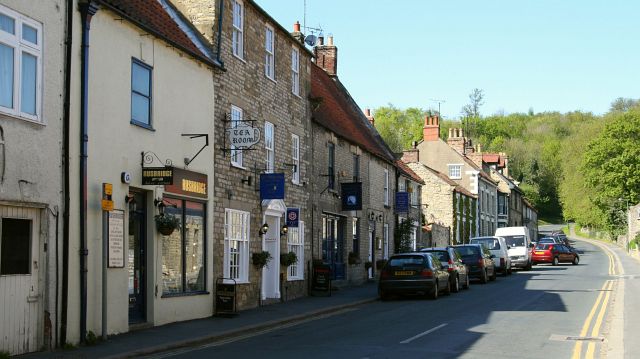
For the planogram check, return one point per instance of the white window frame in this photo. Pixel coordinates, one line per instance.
(21, 46)
(270, 146)
(295, 158)
(455, 171)
(414, 193)
(237, 45)
(270, 53)
(385, 240)
(386, 187)
(241, 275)
(236, 154)
(295, 244)
(295, 71)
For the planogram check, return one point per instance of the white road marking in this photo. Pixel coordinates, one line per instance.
(423, 334)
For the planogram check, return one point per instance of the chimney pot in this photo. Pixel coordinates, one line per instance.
(296, 26)
(320, 40)
(330, 40)
(367, 112)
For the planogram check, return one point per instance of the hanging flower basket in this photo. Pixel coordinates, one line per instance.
(166, 223)
(261, 259)
(287, 259)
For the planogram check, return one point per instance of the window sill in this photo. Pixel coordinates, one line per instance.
(240, 58)
(33, 120)
(235, 165)
(184, 294)
(295, 279)
(143, 125)
(272, 79)
(297, 95)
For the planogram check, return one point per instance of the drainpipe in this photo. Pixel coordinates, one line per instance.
(87, 10)
(65, 214)
(220, 16)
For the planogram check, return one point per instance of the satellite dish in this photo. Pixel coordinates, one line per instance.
(310, 40)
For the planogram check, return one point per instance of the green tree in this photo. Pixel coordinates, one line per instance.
(399, 128)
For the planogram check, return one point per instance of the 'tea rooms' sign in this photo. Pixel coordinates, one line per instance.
(243, 135)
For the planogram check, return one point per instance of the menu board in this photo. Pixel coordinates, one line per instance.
(116, 239)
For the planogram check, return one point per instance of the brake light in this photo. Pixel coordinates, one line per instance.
(450, 268)
(550, 248)
(481, 262)
(426, 273)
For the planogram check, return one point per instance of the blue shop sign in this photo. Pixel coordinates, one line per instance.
(402, 202)
(293, 217)
(272, 186)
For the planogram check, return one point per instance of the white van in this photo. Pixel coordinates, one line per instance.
(519, 243)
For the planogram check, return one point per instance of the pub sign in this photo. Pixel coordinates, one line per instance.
(352, 196)
(157, 175)
(271, 186)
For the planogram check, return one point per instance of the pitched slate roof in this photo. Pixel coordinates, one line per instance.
(337, 111)
(151, 16)
(407, 171)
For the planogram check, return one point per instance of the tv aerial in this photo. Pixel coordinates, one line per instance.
(312, 39)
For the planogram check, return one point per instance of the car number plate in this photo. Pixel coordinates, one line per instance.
(539, 252)
(405, 272)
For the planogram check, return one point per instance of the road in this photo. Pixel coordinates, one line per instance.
(554, 312)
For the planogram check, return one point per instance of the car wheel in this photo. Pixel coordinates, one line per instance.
(528, 267)
(434, 292)
(576, 260)
(456, 284)
(555, 261)
(383, 295)
(484, 277)
(447, 290)
(494, 275)
(466, 282)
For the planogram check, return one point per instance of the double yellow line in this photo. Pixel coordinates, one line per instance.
(601, 302)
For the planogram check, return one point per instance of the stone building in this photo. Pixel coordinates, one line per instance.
(450, 158)
(439, 194)
(530, 219)
(347, 153)
(142, 140)
(410, 183)
(633, 222)
(265, 87)
(32, 203)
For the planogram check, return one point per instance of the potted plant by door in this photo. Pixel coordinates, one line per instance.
(166, 223)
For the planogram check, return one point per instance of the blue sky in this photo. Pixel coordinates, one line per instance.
(549, 55)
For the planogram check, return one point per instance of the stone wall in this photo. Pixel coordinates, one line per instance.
(245, 85)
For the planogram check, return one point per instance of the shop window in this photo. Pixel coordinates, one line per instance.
(295, 244)
(183, 252)
(15, 249)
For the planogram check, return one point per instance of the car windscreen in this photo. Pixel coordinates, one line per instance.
(443, 256)
(468, 251)
(546, 240)
(406, 261)
(514, 241)
(489, 243)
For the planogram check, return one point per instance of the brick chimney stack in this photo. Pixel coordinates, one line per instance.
(431, 128)
(327, 55)
(412, 155)
(367, 113)
(476, 155)
(456, 140)
(297, 34)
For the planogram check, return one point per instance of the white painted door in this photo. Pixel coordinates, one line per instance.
(370, 258)
(20, 297)
(271, 273)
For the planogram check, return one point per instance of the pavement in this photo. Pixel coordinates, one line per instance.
(206, 330)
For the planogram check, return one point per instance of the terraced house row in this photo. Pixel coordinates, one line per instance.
(158, 153)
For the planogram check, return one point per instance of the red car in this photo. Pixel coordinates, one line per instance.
(554, 253)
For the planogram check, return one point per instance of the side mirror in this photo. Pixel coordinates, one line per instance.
(492, 256)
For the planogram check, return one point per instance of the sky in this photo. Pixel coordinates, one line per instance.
(545, 55)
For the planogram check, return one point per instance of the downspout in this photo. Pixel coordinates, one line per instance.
(65, 161)
(87, 10)
(218, 45)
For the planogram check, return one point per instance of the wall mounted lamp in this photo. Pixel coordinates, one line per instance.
(284, 230)
(263, 229)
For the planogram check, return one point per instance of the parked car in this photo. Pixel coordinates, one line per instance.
(413, 273)
(554, 254)
(479, 261)
(499, 248)
(520, 246)
(553, 240)
(452, 262)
